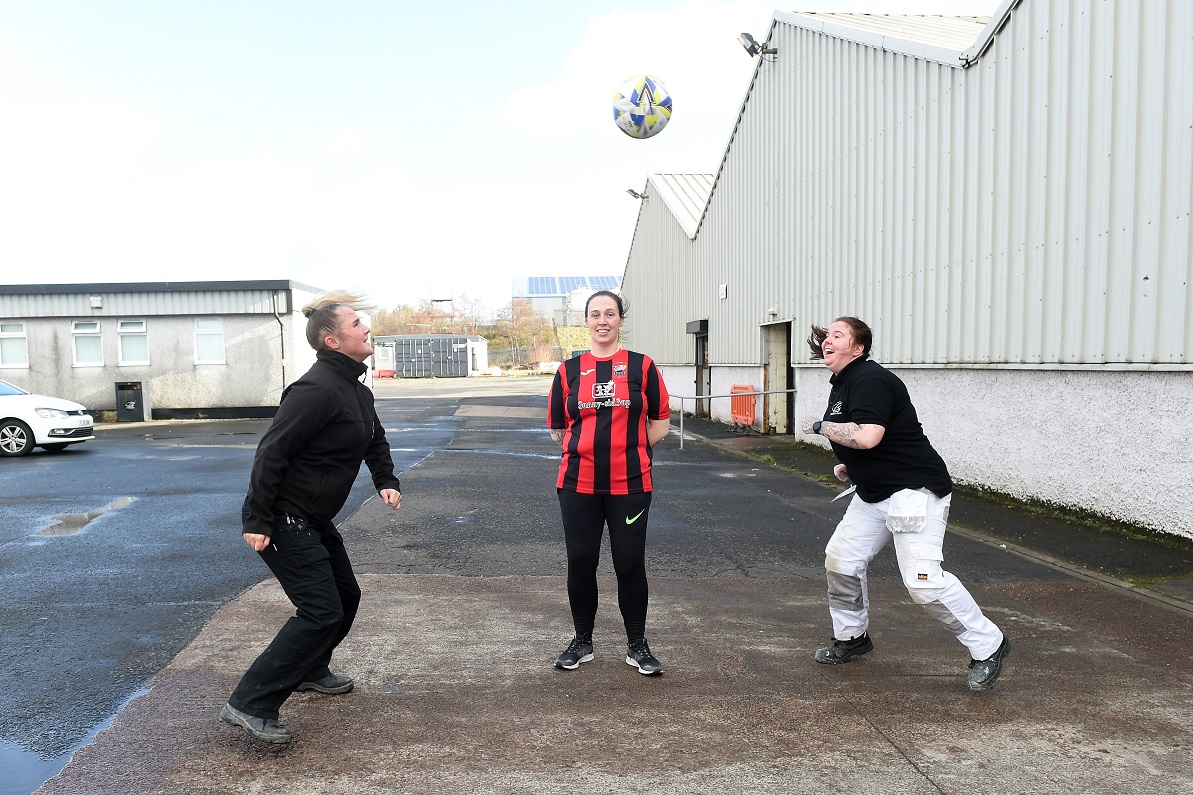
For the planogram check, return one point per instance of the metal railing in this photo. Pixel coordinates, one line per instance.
(694, 398)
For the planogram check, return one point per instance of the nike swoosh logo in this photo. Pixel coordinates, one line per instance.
(631, 520)
(587, 372)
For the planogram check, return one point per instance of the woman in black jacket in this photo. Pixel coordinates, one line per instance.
(302, 474)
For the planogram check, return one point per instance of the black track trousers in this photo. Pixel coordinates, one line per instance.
(584, 520)
(313, 569)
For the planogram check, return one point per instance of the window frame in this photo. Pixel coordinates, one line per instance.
(201, 332)
(22, 335)
(122, 333)
(77, 333)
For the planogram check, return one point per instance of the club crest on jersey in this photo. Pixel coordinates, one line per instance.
(619, 370)
(604, 396)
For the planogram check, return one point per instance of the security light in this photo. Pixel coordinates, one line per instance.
(754, 48)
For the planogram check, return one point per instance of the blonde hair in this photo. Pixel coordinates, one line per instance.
(322, 314)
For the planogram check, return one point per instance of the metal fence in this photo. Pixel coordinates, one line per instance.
(697, 399)
(525, 358)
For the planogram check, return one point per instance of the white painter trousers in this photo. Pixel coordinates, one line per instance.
(867, 528)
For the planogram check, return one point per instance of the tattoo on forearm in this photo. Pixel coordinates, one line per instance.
(557, 435)
(843, 434)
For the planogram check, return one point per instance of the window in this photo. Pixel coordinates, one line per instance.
(209, 340)
(134, 343)
(14, 347)
(89, 350)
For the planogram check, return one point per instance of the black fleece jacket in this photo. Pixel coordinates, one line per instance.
(309, 457)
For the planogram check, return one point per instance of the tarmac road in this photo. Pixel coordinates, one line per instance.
(465, 607)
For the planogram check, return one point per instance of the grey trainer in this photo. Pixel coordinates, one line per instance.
(264, 729)
(332, 684)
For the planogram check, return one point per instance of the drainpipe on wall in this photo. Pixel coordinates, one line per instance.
(281, 335)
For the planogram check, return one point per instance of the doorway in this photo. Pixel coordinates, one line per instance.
(703, 375)
(778, 408)
(699, 330)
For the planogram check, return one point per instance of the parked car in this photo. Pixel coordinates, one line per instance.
(28, 421)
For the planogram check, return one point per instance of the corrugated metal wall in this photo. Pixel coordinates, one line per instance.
(1032, 209)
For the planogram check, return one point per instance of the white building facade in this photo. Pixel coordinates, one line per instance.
(1005, 202)
(195, 349)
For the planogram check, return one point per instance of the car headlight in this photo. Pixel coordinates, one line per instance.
(50, 413)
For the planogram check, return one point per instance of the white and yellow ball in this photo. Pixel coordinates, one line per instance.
(641, 107)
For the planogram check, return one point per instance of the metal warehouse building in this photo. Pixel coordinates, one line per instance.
(1006, 202)
(158, 349)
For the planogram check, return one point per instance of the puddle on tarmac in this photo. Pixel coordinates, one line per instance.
(71, 523)
(25, 771)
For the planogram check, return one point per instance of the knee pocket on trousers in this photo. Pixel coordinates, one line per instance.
(921, 567)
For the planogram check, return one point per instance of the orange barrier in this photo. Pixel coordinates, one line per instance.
(741, 407)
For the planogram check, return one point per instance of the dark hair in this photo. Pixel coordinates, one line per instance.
(622, 305)
(860, 331)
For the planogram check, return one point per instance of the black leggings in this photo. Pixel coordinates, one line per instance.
(584, 518)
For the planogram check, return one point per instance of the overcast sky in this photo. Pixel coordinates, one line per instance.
(413, 150)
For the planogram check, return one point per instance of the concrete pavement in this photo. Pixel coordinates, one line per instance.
(465, 607)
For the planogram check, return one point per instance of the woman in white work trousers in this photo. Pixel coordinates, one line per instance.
(903, 494)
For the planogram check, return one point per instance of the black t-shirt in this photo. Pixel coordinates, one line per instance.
(867, 393)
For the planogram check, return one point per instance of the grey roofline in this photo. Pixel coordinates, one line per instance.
(963, 60)
(153, 287)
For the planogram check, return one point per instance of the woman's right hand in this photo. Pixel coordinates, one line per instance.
(257, 541)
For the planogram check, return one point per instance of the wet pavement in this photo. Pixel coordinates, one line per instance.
(465, 606)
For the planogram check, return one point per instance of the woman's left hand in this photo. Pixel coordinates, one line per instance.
(392, 498)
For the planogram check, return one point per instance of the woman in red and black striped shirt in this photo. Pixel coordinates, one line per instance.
(607, 409)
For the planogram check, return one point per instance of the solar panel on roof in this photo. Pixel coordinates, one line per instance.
(542, 285)
(602, 282)
(569, 283)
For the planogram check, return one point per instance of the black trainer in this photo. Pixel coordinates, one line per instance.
(982, 673)
(264, 729)
(332, 684)
(578, 651)
(638, 654)
(844, 650)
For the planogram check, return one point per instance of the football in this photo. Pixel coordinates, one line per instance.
(641, 107)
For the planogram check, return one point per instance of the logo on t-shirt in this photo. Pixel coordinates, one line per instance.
(836, 409)
(604, 396)
(619, 370)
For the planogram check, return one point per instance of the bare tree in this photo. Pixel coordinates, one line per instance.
(458, 316)
(530, 336)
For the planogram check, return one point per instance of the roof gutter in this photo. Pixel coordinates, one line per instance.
(996, 23)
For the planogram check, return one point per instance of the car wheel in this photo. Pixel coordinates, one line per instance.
(55, 448)
(15, 438)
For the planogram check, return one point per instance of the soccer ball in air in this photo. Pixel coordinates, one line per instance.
(641, 107)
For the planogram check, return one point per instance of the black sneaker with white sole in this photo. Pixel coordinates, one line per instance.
(638, 654)
(578, 651)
